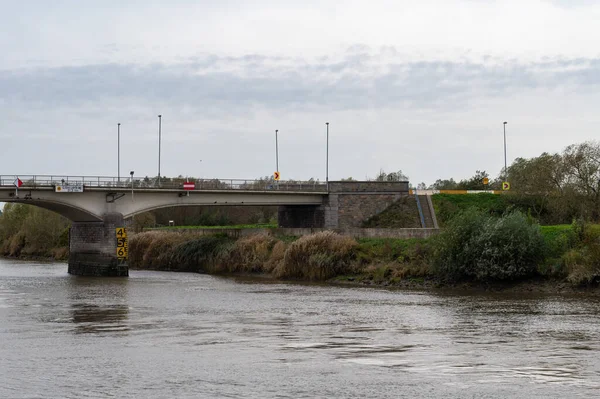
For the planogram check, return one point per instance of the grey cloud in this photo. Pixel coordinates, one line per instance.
(211, 82)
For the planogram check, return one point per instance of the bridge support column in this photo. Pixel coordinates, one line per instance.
(93, 248)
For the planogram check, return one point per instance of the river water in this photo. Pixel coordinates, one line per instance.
(180, 335)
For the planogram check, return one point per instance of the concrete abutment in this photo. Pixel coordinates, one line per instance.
(93, 248)
(348, 205)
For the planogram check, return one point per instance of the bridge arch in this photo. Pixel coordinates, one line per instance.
(149, 208)
(69, 211)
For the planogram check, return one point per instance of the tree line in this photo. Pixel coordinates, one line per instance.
(554, 188)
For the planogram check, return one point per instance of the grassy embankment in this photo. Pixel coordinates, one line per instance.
(567, 254)
(448, 205)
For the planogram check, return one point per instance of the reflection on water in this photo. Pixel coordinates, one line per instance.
(98, 305)
(96, 319)
(157, 335)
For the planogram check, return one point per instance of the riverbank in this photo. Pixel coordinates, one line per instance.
(329, 257)
(60, 254)
(564, 262)
(535, 285)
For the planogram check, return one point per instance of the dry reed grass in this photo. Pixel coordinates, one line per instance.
(276, 259)
(16, 244)
(61, 253)
(252, 254)
(318, 256)
(153, 249)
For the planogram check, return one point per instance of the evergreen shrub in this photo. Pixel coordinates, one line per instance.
(480, 247)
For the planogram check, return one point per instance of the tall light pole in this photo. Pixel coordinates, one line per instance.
(327, 159)
(276, 152)
(119, 152)
(505, 169)
(159, 134)
(200, 177)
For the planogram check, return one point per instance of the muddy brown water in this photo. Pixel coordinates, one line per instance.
(180, 335)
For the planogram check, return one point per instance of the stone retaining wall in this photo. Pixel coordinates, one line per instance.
(347, 205)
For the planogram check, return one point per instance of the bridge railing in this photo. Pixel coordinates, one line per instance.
(40, 181)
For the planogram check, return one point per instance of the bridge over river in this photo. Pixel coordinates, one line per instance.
(98, 205)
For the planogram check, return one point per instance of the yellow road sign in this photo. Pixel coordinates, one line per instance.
(276, 175)
(486, 180)
(121, 232)
(505, 186)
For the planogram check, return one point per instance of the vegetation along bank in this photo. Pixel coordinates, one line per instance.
(475, 249)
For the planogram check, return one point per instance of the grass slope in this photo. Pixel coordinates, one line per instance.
(401, 214)
(447, 205)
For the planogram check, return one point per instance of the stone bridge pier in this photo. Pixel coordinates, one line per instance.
(93, 248)
(348, 204)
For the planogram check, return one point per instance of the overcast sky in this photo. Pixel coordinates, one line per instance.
(422, 86)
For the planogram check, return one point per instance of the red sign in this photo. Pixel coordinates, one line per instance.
(189, 186)
(18, 183)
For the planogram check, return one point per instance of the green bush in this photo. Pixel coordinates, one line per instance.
(372, 250)
(479, 247)
(558, 239)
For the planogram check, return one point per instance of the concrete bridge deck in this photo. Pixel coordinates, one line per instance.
(109, 182)
(89, 198)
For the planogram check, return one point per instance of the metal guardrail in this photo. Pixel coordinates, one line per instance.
(41, 181)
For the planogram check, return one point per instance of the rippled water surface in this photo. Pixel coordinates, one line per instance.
(178, 335)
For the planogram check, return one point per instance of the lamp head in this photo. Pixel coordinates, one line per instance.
(131, 173)
(505, 123)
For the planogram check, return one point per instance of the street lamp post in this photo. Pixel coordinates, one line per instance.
(119, 152)
(200, 176)
(327, 159)
(159, 134)
(505, 168)
(276, 155)
(276, 152)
